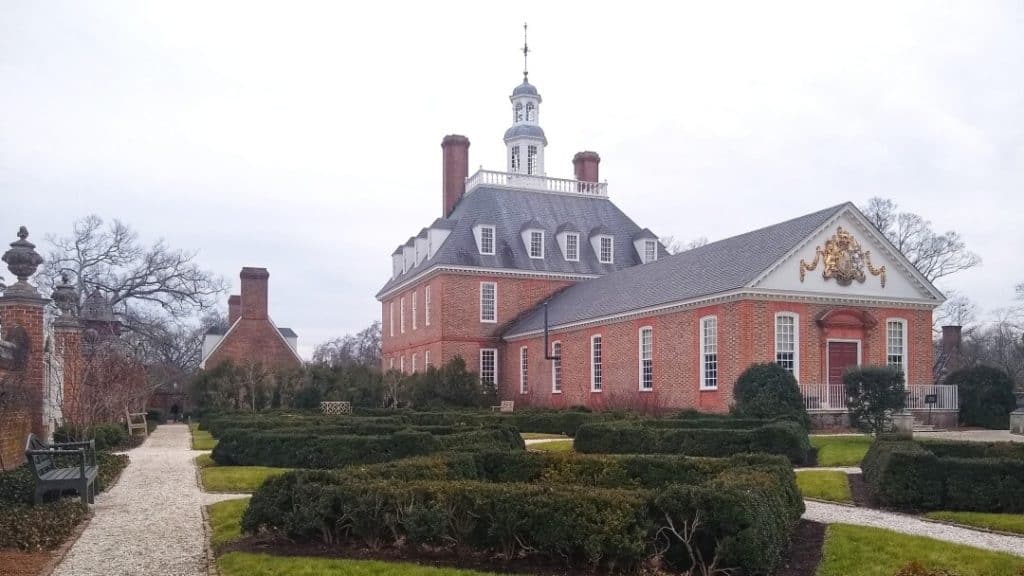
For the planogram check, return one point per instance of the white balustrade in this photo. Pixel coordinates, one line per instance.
(533, 182)
(832, 397)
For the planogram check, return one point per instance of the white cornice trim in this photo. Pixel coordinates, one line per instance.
(730, 296)
(476, 270)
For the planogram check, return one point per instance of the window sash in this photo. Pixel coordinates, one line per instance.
(787, 342)
(596, 364)
(414, 362)
(709, 353)
(531, 159)
(896, 344)
(650, 251)
(426, 306)
(414, 294)
(391, 318)
(536, 244)
(646, 358)
(401, 317)
(487, 240)
(607, 250)
(426, 359)
(489, 366)
(524, 370)
(556, 367)
(488, 302)
(572, 247)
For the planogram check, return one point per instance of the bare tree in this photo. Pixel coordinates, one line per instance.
(675, 246)
(957, 310)
(361, 348)
(934, 255)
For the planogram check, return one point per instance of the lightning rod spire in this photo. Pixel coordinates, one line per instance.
(526, 51)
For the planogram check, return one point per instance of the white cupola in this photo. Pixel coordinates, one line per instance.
(525, 140)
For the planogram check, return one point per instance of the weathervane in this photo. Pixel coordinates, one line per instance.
(526, 51)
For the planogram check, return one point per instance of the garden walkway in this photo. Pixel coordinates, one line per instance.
(835, 513)
(151, 522)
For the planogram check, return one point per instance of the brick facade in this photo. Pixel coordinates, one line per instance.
(21, 327)
(746, 334)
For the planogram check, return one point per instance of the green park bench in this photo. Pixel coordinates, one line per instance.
(43, 460)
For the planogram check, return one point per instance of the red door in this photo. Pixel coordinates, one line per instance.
(841, 356)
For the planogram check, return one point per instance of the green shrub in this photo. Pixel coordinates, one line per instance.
(768, 390)
(17, 486)
(155, 416)
(532, 504)
(945, 476)
(874, 393)
(32, 528)
(110, 436)
(986, 396)
(786, 438)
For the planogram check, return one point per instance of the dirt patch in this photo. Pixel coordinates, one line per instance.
(804, 553)
(18, 563)
(859, 490)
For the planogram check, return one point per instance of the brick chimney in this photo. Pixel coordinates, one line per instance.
(454, 170)
(951, 347)
(585, 164)
(234, 308)
(254, 293)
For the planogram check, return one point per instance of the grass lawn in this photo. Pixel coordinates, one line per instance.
(540, 435)
(824, 485)
(201, 439)
(225, 520)
(245, 564)
(555, 446)
(841, 450)
(862, 551)
(237, 479)
(1001, 522)
(204, 461)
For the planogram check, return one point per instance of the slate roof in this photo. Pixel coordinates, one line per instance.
(710, 269)
(524, 88)
(508, 210)
(528, 130)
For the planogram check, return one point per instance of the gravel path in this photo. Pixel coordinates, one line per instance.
(832, 514)
(151, 522)
(846, 469)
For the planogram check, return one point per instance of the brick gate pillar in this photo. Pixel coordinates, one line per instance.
(68, 333)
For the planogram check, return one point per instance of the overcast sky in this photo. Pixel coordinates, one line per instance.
(305, 137)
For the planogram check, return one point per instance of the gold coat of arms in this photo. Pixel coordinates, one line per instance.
(844, 260)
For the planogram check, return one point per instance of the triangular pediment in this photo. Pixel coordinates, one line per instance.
(847, 256)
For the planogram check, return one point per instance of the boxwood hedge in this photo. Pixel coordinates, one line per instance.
(945, 475)
(632, 510)
(784, 437)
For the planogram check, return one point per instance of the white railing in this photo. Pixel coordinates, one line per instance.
(832, 397)
(530, 182)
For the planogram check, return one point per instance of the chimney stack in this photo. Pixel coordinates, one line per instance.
(951, 347)
(254, 293)
(585, 164)
(234, 308)
(454, 170)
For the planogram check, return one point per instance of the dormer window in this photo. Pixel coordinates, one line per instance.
(572, 247)
(537, 244)
(650, 250)
(487, 240)
(606, 251)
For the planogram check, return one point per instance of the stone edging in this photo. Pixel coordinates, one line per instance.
(211, 558)
(847, 504)
(970, 527)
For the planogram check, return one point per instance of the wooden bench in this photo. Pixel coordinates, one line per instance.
(50, 478)
(505, 406)
(136, 421)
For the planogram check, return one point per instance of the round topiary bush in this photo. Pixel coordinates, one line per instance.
(986, 396)
(769, 391)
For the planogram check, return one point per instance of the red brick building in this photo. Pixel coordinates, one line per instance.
(251, 335)
(554, 295)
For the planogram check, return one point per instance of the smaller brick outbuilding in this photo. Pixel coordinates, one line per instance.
(251, 336)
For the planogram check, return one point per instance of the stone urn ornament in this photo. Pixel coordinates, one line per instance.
(23, 261)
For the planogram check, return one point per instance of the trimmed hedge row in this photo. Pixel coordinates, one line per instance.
(354, 428)
(785, 438)
(969, 476)
(314, 450)
(742, 510)
(17, 486)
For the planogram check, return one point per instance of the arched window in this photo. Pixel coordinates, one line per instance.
(529, 112)
(519, 112)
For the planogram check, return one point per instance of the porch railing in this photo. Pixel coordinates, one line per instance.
(832, 397)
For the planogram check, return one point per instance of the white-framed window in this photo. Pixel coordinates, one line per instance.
(401, 364)
(489, 366)
(391, 363)
(391, 318)
(488, 302)
(572, 247)
(896, 344)
(401, 314)
(787, 342)
(487, 240)
(516, 162)
(529, 112)
(414, 362)
(536, 244)
(709, 353)
(596, 364)
(519, 112)
(606, 253)
(531, 159)
(524, 370)
(556, 367)
(426, 359)
(414, 294)
(650, 250)
(426, 305)
(645, 355)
